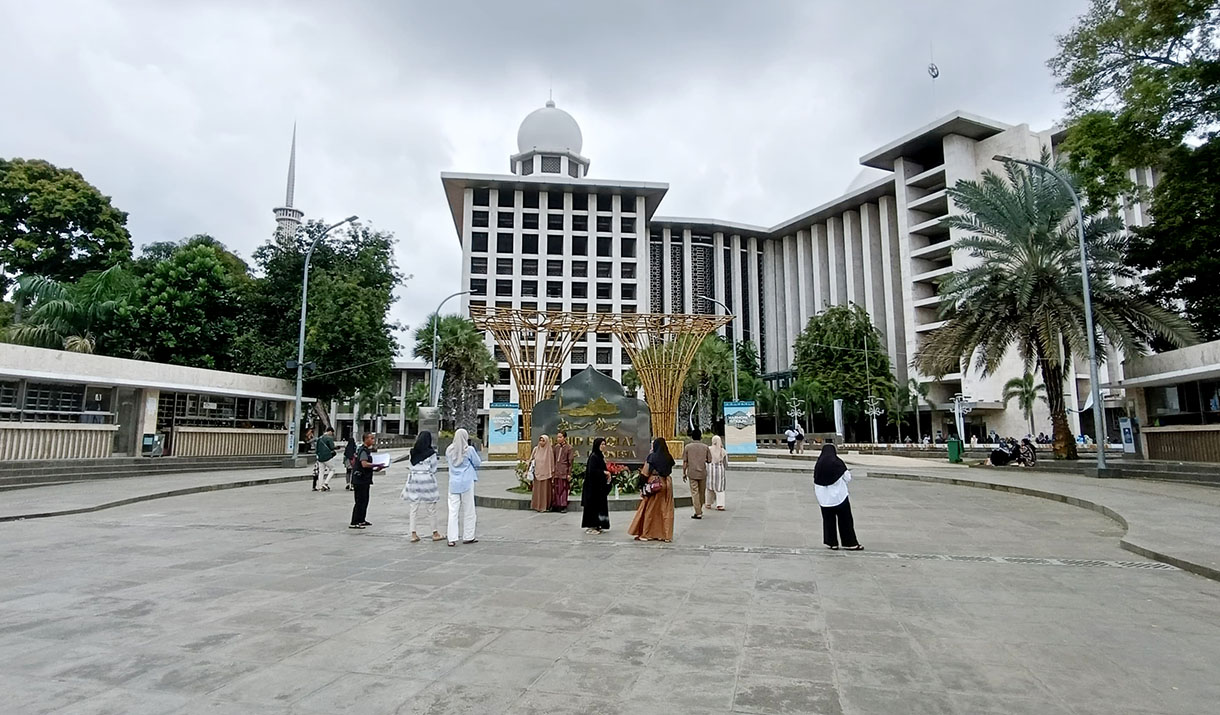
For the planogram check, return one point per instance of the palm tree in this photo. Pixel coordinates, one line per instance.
(1025, 287)
(467, 363)
(711, 371)
(373, 403)
(69, 316)
(918, 391)
(896, 407)
(631, 382)
(417, 394)
(1026, 393)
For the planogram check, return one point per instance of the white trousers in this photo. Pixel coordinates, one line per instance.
(429, 511)
(465, 503)
(713, 499)
(327, 470)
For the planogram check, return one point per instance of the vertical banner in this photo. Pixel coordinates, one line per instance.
(502, 419)
(839, 419)
(1128, 433)
(740, 439)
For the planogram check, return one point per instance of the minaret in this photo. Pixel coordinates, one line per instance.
(289, 218)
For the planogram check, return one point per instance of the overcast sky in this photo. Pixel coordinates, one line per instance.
(182, 110)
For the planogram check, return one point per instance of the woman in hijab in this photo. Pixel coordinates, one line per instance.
(596, 517)
(463, 473)
(654, 517)
(421, 484)
(543, 459)
(715, 473)
(1026, 455)
(830, 478)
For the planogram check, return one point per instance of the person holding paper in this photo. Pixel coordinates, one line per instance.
(362, 480)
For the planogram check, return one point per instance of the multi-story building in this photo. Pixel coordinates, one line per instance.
(549, 237)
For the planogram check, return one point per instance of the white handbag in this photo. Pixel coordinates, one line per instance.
(529, 474)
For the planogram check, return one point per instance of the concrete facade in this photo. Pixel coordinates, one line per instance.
(1175, 396)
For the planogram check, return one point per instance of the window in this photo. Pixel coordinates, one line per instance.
(627, 270)
(605, 291)
(505, 376)
(580, 202)
(624, 356)
(554, 307)
(504, 304)
(504, 266)
(627, 309)
(529, 289)
(505, 198)
(504, 242)
(554, 200)
(605, 269)
(477, 306)
(580, 269)
(529, 243)
(554, 245)
(478, 286)
(605, 246)
(529, 306)
(603, 337)
(527, 166)
(627, 291)
(504, 289)
(605, 224)
(626, 224)
(529, 221)
(554, 222)
(627, 204)
(529, 267)
(501, 395)
(605, 203)
(580, 223)
(482, 197)
(605, 308)
(550, 164)
(478, 219)
(478, 264)
(497, 354)
(504, 219)
(603, 356)
(529, 199)
(580, 356)
(554, 289)
(554, 267)
(573, 169)
(580, 246)
(478, 242)
(580, 290)
(580, 307)
(628, 245)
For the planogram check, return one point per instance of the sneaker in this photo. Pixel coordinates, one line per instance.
(366, 523)
(695, 516)
(356, 526)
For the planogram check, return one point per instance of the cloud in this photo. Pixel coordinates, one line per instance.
(752, 112)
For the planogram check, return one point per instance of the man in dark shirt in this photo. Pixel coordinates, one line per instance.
(326, 452)
(362, 480)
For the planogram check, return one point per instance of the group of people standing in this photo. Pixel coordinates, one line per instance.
(552, 470)
(422, 489)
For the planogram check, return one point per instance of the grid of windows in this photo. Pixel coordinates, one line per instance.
(655, 279)
(762, 324)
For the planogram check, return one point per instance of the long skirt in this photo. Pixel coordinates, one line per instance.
(596, 513)
(559, 492)
(715, 477)
(541, 499)
(654, 517)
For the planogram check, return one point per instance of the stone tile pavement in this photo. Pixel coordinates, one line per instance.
(259, 600)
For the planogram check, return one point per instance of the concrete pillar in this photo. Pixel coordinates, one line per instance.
(821, 268)
(754, 300)
(836, 261)
(688, 283)
(789, 302)
(739, 293)
(718, 279)
(667, 268)
(804, 279)
(870, 245)
(891, 259)
(852, 260)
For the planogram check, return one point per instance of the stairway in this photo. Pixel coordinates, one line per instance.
(37, 473)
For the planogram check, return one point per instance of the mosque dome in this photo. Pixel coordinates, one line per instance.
(549, 129)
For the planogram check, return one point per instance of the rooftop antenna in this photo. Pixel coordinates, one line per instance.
(934, 73)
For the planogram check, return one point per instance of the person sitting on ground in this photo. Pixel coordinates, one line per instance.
(1000, 456)
(1026, 454)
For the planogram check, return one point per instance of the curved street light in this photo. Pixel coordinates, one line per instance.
(436, 321)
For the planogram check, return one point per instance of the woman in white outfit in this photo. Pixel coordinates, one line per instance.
(718, 464)
(464, 465)
(830, 478)
(421, 484)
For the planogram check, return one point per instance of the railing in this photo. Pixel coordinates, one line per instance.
(1184, 443)
(55, 441)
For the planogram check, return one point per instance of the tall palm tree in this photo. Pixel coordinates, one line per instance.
(1026, 393)
(69, 316)
(631, 382)
(1024, 289)
(918, 391)
(896, 407)
(710, 373)
(467, 363)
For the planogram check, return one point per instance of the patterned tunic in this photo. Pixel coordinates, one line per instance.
(421, 482)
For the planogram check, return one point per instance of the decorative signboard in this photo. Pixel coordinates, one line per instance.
(502, 430)
(740, 439)
(591, 405)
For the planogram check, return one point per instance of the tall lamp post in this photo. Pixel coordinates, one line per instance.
(1099, 411)
(962, 405)
(872, 408)
(732, 340)
(436, 321)
(300, 364)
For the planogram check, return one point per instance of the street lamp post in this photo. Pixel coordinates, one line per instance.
(436, 321)
(796, 408)
(873, 409)
(732, 340)
(961, 407)
(1099, 412)
(296, 414)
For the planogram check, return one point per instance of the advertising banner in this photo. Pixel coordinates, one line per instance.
(839, 418)
(739, 432)
(502, 429)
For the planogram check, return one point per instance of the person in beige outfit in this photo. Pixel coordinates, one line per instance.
(544, 468)
(695, 458)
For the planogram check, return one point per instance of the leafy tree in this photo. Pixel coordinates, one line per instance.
(56, 225)
(417, 394)
(352, 277)
(710, 378)
(1026, 393)
(70, 316)
(1025, 288)
(747, 359)
(156, 252)
(467, 363)
(841, 349)
(631, 382)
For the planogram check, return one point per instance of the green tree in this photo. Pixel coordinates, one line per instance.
(919, 393)
(631, 382)
(56, 225)
(841, 349)
(747, 358)
(896, 408)
(156, 252)
(70, 316)
(417, 394)
(1025, 288)
(1026, 393)
(709, 380)
(467, 363)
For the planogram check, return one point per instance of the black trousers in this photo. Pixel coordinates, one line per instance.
(360, 510)
(837, 521)
(792, 447)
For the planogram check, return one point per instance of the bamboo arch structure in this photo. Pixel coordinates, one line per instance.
(661, 347)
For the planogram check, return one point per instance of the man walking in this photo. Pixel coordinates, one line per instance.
(562, 474)
(362, 480)
(695, 457)
(326, 453)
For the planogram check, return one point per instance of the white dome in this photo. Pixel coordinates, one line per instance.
(549, 129)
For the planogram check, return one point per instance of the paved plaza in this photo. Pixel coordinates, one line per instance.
(260, 600)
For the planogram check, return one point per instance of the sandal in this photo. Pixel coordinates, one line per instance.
(832, 548)
(857, 547)
(453, 543)
(414, 538)
(437, 537)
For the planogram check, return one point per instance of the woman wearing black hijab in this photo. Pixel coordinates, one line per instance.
(593, 498)
(830, 478)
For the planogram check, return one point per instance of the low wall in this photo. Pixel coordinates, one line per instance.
(1184, 443)
(226, 441)
(48, 440)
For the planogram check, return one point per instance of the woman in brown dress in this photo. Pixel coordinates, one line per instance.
(544, 466)
(654, 517)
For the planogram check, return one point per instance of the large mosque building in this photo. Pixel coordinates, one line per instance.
(550, 236)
